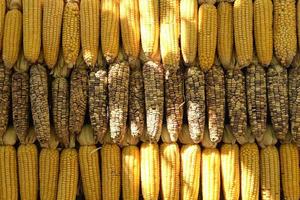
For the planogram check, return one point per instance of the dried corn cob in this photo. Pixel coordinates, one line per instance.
(2, 17)
(195, 100)
(215, 102)
(284, 30)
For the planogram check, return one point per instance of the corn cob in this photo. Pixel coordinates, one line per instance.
(243, 28)
(2, 17)
(298, 22)
(150, 177)
(39, 103)
(215, 102)
(249, 162)
(110, 29)
(190, 171)
(71, 31)
(257, 99)
(225, 33)
(169, 32)
(52, 21)
(153, 77)
(111, 171)
(284, 31)
(195, 100)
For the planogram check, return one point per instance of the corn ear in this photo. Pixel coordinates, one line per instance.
(2, 20)
(5, 93)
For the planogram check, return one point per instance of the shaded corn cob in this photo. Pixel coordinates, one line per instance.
(2, 17)
(52, 21)
(215, 102)
(153, 77)
(39, 103)
(5, 92)
(256, 88)
(284, 30)
(195, 100)
(71, 31)
(243, 28)
(263, 22)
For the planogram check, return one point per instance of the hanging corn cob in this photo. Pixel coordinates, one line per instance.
(12, 33)
(2, 17)
(284, 31)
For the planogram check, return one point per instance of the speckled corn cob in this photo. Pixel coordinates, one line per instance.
(195, 100)
(5, 84)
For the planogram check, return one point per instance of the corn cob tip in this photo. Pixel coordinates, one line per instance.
(61, 68)
(22, 64)
(53, 141)
(9, 137)
(207, 1)
(206, 142)
(228, 136)
(86, 136)
(30, 137)
(296, 60)
(14, 4)
(269, 138)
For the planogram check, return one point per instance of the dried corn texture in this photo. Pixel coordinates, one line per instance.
(210, 173)
(284, 30)
(8, 173)
(118, 93)
(249, 162)
(153, 77)
(5, 93)
(289, 169)
(39, 103)
(12, 37)
(207, 35)
(20, 103)
(263, 32)
(111, 171)
(32, 31)
(215, 102)
(48, 173)
(52, 21)
(190, 171)
(98, 98)
(243, 31)
(277, 87)
(150, 176)
(270, 173)
(90, 172)
(71, 31)
(230, 168)
(256, 88)
(174, 99)
(110, 29)
(195, 101)
(68, 175)
(169, 32)
(225, 33)
(28, 171)
(2, 17)
(236, 102)
(78, 99)
(60, 109)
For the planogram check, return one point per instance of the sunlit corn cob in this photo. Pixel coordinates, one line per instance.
(39, 103)
(111, 171)
(110, 29)
(249, 162)
(256, 89)
(243, 31)
(190, 171)
(169, 32)
(215, 102)
(71, 30)
(225, 32)
(195, 101)
(284, 30)
(2, 17)
(150, 175)
(153, 77)
(52, 21)
(289, 165)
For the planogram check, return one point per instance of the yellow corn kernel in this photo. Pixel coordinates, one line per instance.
(2, 17)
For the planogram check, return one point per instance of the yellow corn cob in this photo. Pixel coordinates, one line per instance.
(2, 17)
(190, 171)
(32, 31)
(249, 162)
(150, 177)
(211, 180)
(52, 21)
(71, 31)
(170, 170)
(243, 28)
(5, 92)
(225, 32)
(131, 172)
(289, 165)
(207, 35)
(263, 33)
